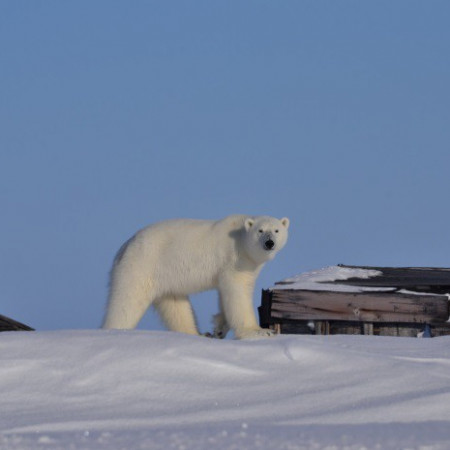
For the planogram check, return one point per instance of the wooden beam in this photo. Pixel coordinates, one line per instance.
(366, 306)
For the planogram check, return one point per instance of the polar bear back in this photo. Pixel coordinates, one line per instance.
(183, 255)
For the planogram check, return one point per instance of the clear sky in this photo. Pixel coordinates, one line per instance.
(117, 114)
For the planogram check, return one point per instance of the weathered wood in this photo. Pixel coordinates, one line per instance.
(440, 329)
(295, 327)
(357, 328)
(322, 327)
(340, 327)
(7, 324)
(366, 307)
(420, 279)
(416, 301)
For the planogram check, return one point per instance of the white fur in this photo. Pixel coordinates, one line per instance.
(164, 263)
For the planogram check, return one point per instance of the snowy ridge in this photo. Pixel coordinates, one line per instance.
(162, 390)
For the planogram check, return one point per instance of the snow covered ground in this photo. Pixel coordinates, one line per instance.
(161, 390)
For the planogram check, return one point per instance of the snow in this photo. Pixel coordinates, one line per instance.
(322, 280)
(162, 390)
(421, 293)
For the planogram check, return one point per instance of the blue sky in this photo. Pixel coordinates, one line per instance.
(117, 114)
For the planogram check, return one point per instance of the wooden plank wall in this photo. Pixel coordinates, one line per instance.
(378, 329)
(378, 313)
(365, 307)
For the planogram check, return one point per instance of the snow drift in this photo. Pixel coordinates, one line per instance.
(137, 389)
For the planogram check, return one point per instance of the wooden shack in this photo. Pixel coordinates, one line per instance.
(7, 324)
(407, 301)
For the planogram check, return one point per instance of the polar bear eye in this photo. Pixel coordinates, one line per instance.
(260, 231)
(276, 231)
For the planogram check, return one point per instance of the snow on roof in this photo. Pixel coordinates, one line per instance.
(322, 280)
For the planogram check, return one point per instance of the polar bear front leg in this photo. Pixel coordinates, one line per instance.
(221, 327)
(236, 295)
(177, 314)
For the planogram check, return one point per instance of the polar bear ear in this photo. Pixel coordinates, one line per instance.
(285, 222)
(248, 224)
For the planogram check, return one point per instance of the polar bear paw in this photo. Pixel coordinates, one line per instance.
(221, 327)
(257, 333)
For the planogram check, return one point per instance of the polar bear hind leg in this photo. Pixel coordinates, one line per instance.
(129, 299)
(177, 314)
(125, 314)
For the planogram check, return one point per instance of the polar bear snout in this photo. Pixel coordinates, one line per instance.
(269, 244)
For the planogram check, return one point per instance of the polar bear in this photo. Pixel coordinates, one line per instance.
(165, 262)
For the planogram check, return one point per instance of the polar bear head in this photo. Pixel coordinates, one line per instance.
(264, 237)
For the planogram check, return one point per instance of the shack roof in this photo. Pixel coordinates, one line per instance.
(8, 324)
(354, 279)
